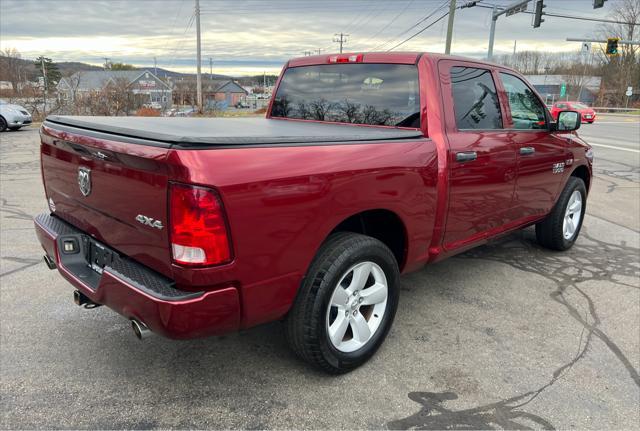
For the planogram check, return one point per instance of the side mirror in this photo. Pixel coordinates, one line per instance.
(568, 121)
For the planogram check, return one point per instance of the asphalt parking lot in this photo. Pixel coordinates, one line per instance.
(505, 336)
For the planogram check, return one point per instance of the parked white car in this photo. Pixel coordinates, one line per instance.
(13, 117)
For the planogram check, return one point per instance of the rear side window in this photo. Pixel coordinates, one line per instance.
(527, 111)
(375, 94)
(475, 99)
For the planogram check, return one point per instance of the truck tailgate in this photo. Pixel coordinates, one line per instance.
(104, 187)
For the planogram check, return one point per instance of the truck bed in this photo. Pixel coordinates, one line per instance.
(225, 132)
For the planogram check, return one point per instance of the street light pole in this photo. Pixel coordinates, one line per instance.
(512, 9)
(492, 32)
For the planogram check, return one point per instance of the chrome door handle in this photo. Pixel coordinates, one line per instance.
(525, 151)
(466, 156)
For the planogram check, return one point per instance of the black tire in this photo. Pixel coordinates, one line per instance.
(549, 232)
(3, 124)
(306, 324)
(13, 129)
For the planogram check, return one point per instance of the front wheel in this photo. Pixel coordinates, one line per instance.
(561, 228)
(3, 124)
(346, 303)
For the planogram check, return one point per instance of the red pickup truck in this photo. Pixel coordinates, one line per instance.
(366, 166)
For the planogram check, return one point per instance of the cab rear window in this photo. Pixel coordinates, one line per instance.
(373, 94)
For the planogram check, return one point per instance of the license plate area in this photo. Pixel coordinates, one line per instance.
(97, 255)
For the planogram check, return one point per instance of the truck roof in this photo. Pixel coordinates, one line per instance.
(400, 57)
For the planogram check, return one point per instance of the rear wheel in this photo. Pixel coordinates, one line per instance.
(346, 303)
(561, 228)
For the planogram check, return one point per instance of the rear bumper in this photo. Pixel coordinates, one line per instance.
(137, 292)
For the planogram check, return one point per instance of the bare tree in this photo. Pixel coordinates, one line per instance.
(621, 71)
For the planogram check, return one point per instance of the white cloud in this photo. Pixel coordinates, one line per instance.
(263, 32)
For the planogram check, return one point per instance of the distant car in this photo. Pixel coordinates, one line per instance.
(153, 105)
(588, 114)
(13, 117)
(185, 113)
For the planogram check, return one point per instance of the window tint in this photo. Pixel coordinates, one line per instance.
(527, 111)
(379, 94)
(475, 99)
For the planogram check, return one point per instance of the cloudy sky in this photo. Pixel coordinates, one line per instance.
(259, 35)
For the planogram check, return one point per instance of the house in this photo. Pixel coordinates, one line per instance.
(215, 92)
(145, 84)
(549, 87)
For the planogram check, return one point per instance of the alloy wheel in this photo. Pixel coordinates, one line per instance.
(357, 306)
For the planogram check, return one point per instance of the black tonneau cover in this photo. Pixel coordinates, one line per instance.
(229, 131)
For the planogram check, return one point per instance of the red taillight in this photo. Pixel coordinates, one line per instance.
(199, 234)
(347, 58)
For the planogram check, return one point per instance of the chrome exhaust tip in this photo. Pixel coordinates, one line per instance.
(51, 264)
(140, 329)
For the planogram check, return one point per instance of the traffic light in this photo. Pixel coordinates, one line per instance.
(612, 46)
(598, 3)
(537, 18)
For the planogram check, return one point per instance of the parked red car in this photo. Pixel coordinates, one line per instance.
(366, 166)
(588, 114)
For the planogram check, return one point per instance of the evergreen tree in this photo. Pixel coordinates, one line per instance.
(51, 73)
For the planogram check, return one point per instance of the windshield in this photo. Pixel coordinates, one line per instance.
(579, 106)
(375, 94)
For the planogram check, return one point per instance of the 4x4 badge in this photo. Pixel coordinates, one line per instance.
(148, 221)
(84, 180)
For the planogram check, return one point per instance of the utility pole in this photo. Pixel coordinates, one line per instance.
(342, 39)
(210, 68)
(515, 43)
(106, 63)
(264, 81)
(319, 50)
(44, 85)
(452, 13)
(519, 6)
(155, 66)
(198, 59)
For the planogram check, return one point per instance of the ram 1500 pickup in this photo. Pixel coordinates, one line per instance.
(366, 166)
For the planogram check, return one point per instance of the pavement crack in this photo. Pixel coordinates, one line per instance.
(566, 270)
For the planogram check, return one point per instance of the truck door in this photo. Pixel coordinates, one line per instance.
(541, 154)
(482, 161)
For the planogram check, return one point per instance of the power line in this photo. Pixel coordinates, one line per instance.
(373, 14)
(419, 32)
(179, 45)
(429, 15)
(390, 22)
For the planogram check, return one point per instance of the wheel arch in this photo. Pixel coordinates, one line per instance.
(583, 173)
(384, 225)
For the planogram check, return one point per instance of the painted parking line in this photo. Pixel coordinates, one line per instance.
(631, 150)
(618, 122)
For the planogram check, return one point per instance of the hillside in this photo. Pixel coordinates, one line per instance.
(28, 69)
